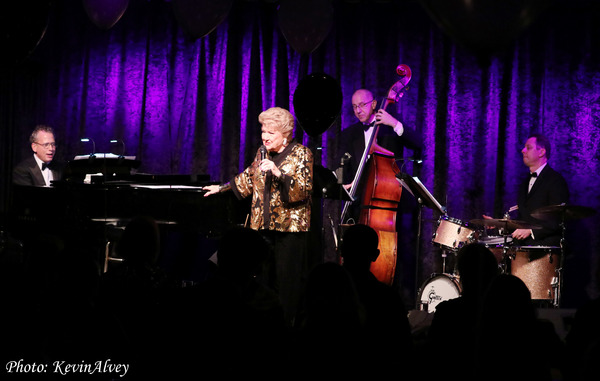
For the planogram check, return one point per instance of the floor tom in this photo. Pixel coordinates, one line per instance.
(537, 267)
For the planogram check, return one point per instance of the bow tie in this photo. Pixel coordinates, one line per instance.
(534, 174)
(367, 126)
(45, 165)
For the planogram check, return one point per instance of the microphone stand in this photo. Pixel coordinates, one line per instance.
(418, 248)
(424, 198)
(339, 174)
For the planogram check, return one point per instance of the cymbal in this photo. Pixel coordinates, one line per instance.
(505, 223)
(570, 212)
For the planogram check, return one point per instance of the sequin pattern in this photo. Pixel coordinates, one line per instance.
(288, 198)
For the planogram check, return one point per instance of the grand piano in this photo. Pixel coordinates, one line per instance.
(106, 191)
(93, 211)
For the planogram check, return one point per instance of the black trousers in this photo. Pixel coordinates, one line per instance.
(286, 269)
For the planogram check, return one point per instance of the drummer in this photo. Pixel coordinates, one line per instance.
(543, 186)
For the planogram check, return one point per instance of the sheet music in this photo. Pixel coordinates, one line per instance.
(405, 186)
(344, 189)
(440, 208)
(430, 201)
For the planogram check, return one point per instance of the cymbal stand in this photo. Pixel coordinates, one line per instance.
(558, 284)
(444, 255)
(505, 256)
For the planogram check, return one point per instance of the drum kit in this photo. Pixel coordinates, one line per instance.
(539, 267)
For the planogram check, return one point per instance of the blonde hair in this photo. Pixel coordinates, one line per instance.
(281, 119)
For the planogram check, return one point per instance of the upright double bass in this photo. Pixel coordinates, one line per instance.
(376, 172)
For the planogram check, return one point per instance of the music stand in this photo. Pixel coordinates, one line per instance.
(109, 165)
(326, 185)
(418, 190)
(424, 198)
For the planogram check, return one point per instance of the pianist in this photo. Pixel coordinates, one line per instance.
(280, 183)
(40, 168)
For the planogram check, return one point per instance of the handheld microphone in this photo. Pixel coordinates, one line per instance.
(263, 154)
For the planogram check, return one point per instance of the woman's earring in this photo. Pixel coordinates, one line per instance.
(285, 141)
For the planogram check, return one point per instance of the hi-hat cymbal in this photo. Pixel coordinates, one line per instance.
(570, 212)
(505, 223)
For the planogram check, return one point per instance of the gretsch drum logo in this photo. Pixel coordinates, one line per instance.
(432, 296)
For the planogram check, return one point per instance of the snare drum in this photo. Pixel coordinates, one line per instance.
(537, 267)
(452, 233)
(496, 245)
(437, 289)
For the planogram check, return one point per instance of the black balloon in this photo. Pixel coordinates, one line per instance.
(200, 17)
(485, 27)
(317, 103)
(105, 13)
(23, 24)
(305, 24)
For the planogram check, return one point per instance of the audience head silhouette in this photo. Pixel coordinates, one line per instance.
(509, 299)
(477, 266)
(241, 252)
(359, 246)
(331, 299)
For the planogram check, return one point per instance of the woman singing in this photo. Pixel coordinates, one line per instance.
(280, 184)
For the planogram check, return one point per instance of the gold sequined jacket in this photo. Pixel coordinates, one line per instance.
(284, 203)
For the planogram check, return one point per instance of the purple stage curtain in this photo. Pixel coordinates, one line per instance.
(185, 105)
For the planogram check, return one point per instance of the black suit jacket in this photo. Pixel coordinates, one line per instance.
(550, 188)
(28, 172)
(353, 142)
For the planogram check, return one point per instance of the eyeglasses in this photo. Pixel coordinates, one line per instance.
(362, 105)
(46, 145)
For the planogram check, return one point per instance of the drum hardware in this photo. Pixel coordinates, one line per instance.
(563, 213)
(556, 286)
(500, 246)
(444, 256)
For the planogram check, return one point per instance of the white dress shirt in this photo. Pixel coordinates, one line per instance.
(398, 129)
(532, 179)
(46, 172)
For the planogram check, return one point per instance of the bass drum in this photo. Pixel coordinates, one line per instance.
(437, 289)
